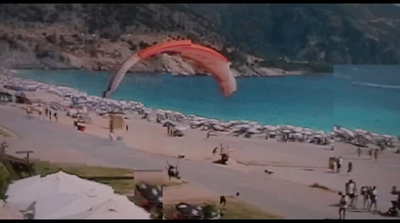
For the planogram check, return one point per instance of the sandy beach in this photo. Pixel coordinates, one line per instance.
(295, 166)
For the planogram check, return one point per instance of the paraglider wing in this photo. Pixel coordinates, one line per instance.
(120, 74)
(209, 59)
(213, 62)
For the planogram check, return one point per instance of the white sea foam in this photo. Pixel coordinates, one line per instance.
(377, 85)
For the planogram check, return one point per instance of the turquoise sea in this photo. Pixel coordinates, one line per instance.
(365, 97)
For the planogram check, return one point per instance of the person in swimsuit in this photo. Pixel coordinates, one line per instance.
(364, 191)
(376, 154)
(342, 206)
(339, 164)
(374, 198)
(350, 191)
(350, 166)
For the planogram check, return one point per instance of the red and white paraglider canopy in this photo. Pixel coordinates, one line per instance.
(209, 59)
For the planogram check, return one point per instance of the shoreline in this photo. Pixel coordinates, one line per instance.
(135, 107)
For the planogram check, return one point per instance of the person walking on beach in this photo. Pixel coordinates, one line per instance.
(376, 154)
(370, 153)
(342, 206)
(55, 116)
(46, 112)
(373, 198)
(359, 151)
(50, 115)
(396, 199)
(350, 191)
(335, 166)
(339, 165)
(126, 128)
(350, 166)
(382, 147)
(355, 196)
(364, 191)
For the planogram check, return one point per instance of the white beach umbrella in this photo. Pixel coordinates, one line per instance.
(319, 136)
(388, 136)
(348, 132)
(375, 134)
(298, 135)
(212, 121)
(168, 122)
(270, 128)
(259, 127)
(232, 122)
(253, 131)
(368, 137)
(298, 129)
(196, 122)
(224, 124)
(290, 127)
(218, 128)
(359, 131)
(160, 112)
(286, 131)
(243, 126)
(339, 132)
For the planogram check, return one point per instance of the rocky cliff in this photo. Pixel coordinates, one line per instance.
(260, 40)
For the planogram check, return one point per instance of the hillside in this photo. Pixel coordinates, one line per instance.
(261, 40)
(331, 33)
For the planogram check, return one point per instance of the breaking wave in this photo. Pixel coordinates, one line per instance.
(377, 85)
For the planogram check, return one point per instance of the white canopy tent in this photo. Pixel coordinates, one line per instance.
(117, 207)
(62, 196)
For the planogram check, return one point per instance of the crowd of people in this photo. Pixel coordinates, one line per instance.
(368, 193)
(338, 163)
(370, 199)
(43, 115)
